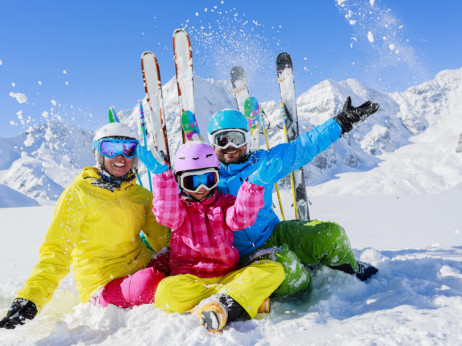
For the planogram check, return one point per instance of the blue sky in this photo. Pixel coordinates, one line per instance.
(74, 59)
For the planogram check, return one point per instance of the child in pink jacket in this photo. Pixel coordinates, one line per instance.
(206, 277)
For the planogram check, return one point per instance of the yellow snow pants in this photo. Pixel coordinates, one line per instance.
(249, 286)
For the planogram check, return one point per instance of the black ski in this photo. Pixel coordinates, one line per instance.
(285, 74)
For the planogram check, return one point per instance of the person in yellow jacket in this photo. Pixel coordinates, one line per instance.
(96, 228)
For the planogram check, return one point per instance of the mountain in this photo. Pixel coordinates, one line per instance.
(429, 162)
(412, 131)
(40, 162)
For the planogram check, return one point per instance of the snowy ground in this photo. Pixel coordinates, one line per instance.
(414, 240)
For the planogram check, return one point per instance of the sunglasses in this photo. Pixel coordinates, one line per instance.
(235, 137)
(192, 181)
(111, 147)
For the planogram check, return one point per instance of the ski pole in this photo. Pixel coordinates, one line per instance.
(263, 125)
(143, 130)
(283, 115)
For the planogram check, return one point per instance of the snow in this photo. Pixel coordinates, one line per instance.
(370, 37)
(415, 298)
(394, 183)
(20, 97)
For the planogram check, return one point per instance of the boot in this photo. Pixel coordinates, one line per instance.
(234, 308)
(265, 307)
(365, 271)
(213, 316)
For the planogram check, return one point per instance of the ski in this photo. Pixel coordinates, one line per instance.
(240, 88)
(113, 118)
(184, 72)
(144, 141)
(190, 127)
(252, 113)
(285, 75)
(258, 116)
(153, 87)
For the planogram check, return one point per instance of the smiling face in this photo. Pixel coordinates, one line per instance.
(118, 166)
(231, 154)
(202, 193)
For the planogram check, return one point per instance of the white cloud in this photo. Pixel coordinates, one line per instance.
(20, 97)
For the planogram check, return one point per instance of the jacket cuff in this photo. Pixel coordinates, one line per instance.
(248, 186)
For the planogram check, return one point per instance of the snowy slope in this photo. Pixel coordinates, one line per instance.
(415, 299)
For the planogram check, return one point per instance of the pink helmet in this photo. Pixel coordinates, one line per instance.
(194, 156)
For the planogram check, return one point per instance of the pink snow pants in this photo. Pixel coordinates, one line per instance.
(128, 291)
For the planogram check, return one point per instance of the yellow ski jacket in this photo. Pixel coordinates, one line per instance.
(98, 232)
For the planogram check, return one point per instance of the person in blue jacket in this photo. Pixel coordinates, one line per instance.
(312, 242)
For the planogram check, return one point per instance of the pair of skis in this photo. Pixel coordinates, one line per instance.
(255, 116)
(156, 124)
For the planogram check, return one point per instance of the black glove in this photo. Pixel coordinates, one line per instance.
(18, 312)
(351, 115)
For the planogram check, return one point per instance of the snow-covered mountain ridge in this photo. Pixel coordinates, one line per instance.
(405, 133)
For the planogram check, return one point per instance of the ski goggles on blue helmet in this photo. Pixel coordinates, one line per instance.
(231, 137)
(192, 181)
(112, 147)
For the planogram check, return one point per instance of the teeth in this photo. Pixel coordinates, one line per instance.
(119, 164)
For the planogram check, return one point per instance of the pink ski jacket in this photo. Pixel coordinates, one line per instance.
(202, 231)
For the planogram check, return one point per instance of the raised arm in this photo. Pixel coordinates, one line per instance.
(309, 144)
(250, 198)
(166, 202)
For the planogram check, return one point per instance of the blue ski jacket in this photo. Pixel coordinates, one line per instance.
(294, 155)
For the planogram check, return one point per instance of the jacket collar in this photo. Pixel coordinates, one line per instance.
(235, 168)
(94, 176)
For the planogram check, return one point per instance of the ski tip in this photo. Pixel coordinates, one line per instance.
(284, 58)
(237, 69)
(146, 52)
(180, 31)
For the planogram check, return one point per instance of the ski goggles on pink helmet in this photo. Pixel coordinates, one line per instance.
(193, 181)
(112, 147)
(231, 137)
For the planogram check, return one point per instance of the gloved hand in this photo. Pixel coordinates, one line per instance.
(269, 168)
(149, 161)
(20, 310)
(351, 115)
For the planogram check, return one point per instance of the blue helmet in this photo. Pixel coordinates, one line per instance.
(228, 119)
